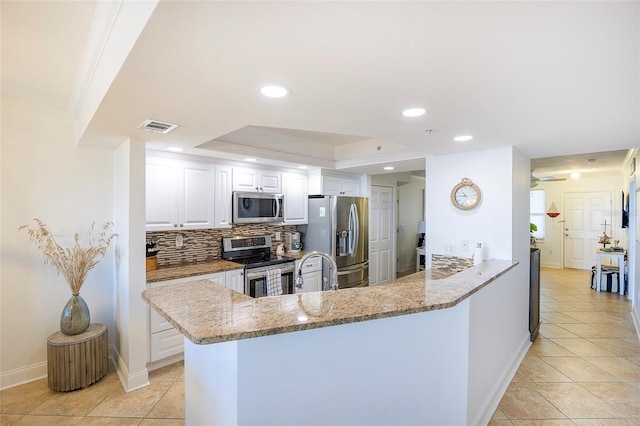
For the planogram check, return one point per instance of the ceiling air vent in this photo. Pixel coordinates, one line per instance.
(157, 126)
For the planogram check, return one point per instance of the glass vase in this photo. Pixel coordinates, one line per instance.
(75, 316)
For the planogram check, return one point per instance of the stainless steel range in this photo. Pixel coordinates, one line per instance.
(265, 273)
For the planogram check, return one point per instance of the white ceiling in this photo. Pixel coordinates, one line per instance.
(551, 78)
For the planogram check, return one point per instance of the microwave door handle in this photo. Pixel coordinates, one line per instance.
(277, 207)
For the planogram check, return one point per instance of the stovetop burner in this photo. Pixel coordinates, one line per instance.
(257, 262)
(253, 252)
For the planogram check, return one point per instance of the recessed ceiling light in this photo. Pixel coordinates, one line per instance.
(575, 175)
(388, 168)
(175, 149)
(414, 112)
(251, 160)
(463, 138)
(273, 91)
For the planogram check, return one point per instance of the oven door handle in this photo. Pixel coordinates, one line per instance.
(260, 274)
(254, 275)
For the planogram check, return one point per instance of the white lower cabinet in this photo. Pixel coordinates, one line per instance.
(235, 280)
(165, 341)
(311, 275)
(165, 344)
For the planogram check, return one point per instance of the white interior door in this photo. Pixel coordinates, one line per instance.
(585, 214)
(381, 267)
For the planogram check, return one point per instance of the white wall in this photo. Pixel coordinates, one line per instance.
(379, 372)
(499, 316)
(45, 175)
(130, 351)
(498, 337)
(491, 222)
(551, 247)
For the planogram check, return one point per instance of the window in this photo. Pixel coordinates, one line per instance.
(537, 212)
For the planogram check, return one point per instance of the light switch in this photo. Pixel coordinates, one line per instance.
(179, 241)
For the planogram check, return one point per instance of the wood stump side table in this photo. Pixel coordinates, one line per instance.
(75, 362)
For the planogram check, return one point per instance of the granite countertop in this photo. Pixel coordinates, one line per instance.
(191, 270)
(208, 313)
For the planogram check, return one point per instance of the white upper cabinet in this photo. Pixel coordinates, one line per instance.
(322, 183)
(179, 195)
(195, 204)
(161, 195)
(223, 202)
(254, 180)
(295, 188)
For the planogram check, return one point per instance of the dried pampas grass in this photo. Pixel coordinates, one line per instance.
(72, 262)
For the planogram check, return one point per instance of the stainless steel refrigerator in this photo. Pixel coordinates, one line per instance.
(339, 226)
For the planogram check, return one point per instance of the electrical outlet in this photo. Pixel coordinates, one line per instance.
(278, 236)
(449, 249)
(464, 245)
(179, 241)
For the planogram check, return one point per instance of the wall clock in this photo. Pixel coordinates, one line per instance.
(466, 195)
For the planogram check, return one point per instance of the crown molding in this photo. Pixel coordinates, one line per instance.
(114, 31)
(379, 159)
(104, 19)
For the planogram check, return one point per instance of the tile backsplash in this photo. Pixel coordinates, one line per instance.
(206, 244)
(451, 263)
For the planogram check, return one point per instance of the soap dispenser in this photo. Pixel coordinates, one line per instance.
(478, 254)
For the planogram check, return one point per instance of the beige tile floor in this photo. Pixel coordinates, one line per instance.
(584, 369)
(103, 403)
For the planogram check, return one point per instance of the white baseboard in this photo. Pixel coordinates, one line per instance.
(129, 382)
(164, 362)
(22, 375)
(495, 395)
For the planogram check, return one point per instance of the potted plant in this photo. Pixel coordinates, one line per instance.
(532, 239)
(74, 263)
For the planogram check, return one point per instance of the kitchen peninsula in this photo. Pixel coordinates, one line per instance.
(404, 352)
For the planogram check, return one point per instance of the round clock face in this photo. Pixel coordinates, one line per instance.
(466, 195)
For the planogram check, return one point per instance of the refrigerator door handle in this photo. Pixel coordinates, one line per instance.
(354, 226)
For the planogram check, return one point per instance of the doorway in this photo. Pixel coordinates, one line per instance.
(586, 214)
(381, 225)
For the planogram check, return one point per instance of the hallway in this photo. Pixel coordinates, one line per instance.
(584, 368)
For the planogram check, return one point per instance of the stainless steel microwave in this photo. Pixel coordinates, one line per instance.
(257, 207)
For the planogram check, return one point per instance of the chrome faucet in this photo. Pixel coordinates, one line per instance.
(333, 284)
